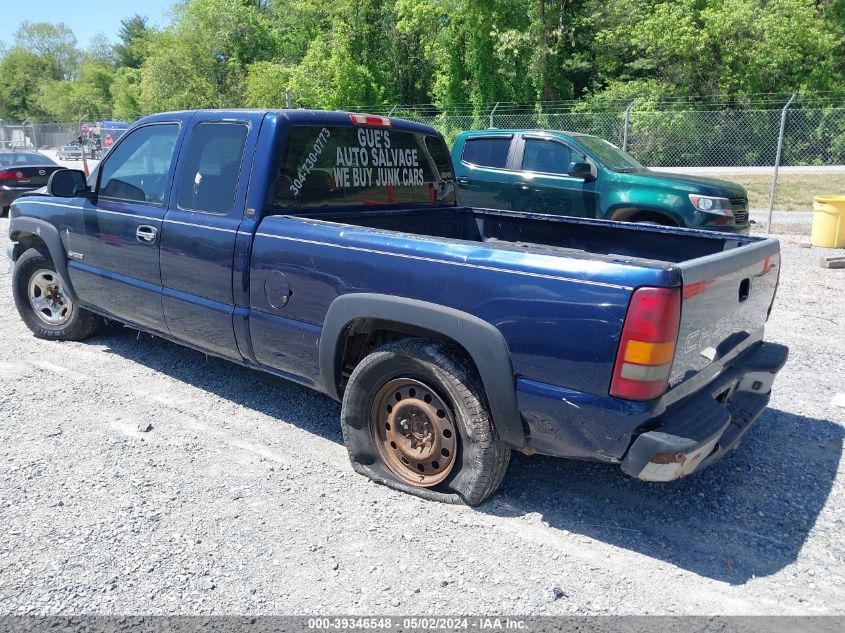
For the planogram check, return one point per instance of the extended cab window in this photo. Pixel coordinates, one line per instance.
(546, 157)
(338, 166)
(487, 152)
(210, 174)
(136, 170)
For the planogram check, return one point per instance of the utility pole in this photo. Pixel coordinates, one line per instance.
(625, 129)
(25, 137)
(82, 146)
(777, 162)
(288, 98)
(495, 107)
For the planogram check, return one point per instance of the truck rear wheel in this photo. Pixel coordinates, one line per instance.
(43, 302)
(414, 418)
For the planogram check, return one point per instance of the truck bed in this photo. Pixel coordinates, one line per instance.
(650, 245)
(728, 281)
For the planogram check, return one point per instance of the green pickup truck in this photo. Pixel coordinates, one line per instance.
(566, 173)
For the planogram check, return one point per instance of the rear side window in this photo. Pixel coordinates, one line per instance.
(137, 169)
(212, 165)
(16, 158)
(339, 166)
(547, 157)
(487, 152)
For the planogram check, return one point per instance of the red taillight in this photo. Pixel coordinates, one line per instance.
(647, 346)
(11, 174)
(369, 119)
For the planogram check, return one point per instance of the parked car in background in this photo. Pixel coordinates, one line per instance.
(565, 173)
(69, 152)
(328, 248)
(22, 172)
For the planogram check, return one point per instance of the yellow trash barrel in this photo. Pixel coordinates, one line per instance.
(828, 222)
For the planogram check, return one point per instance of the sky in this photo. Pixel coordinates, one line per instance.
(84, 17)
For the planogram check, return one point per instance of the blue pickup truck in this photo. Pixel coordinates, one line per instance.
(328, 249)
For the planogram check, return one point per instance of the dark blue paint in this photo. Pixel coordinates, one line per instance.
(120, 296)
(588, 426)
(553, 327)
(202, 322)
(286, 345)
(203, 283)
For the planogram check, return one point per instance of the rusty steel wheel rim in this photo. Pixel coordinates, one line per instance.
(414, 432)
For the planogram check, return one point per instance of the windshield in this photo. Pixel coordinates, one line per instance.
(608, 154)
(24, 159)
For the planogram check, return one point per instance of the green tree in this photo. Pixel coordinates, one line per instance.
(266, 83)
(21, 73)
(88, 95)
(695, 47)
(225, 53)
(134, 37)
(55, 42)
(172, 80)
(126, 94)
(328, 77)
(100, 49)
(201, 60)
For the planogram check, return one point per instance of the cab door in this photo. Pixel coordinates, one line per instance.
(116, 240)
(200, 229)
(482, 175)
(543, 182)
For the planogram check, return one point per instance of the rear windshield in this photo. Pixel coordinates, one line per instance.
(336, 166)
(24, 159)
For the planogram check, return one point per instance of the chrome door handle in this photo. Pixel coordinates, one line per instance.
(462, 180)
(146, 234)
(523, 186)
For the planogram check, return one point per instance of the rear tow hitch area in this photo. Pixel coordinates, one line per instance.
(701, 429)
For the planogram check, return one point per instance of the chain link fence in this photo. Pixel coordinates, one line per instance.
(738, 144)
(51, 136)
(734, 144)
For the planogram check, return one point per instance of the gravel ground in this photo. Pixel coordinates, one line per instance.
(240, 499)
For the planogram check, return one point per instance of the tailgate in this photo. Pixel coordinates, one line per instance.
(725, 304)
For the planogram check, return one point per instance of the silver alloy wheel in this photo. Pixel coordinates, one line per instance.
(48, 297)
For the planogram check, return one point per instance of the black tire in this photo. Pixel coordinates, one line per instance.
(481, 457)
(81, 323)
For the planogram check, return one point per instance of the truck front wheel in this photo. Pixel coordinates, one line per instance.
(414, 418)
(44, 304)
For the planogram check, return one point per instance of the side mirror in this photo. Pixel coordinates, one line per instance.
(67, 183)
(581, 170)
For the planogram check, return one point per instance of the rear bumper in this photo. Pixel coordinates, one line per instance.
(701, 429)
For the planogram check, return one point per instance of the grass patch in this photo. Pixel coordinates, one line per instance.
(795, 191)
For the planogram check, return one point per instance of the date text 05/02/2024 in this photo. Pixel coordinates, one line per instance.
(417, 623)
